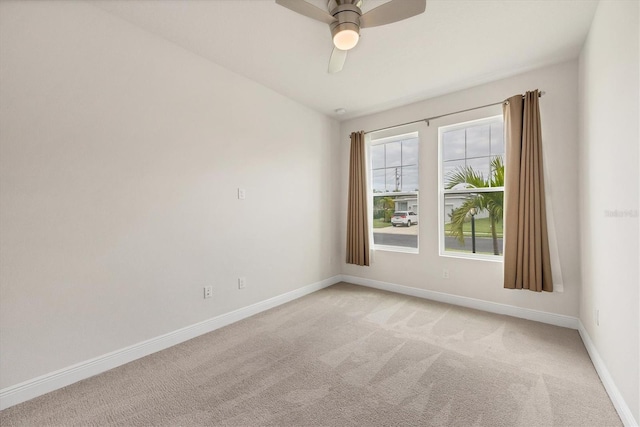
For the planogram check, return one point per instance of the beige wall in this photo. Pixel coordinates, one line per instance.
(609, 182)
(120, 157)
(474, 278)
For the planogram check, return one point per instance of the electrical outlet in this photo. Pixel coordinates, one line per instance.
(242, 282)
(445, 273)
(242, 193)
(597, 317)
(208, 291)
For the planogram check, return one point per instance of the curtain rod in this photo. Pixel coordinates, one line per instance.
(442, 115)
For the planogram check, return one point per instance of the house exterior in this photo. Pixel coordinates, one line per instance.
(407, 203)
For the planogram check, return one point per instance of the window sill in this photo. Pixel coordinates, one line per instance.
(402, 249)
(476, 257)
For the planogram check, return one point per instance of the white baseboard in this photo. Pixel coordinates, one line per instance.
(55, 380)
(614, 394)
(492, 307)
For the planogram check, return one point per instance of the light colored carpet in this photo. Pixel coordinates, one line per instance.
(347, 355)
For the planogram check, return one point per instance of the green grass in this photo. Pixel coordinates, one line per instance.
(483, 228)
(379, 223)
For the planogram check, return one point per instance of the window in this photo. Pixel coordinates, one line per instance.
(472, 188)
(393, 189)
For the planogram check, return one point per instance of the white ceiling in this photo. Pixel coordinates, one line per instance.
(455, 44)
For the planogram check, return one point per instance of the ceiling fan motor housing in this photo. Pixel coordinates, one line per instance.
(332, 4)
(348, 18)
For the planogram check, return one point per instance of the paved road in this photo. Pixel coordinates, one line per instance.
(404, 240)
(483, 244)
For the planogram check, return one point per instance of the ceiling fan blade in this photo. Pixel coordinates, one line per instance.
(393, 11)
(337, 60)
(307, 9)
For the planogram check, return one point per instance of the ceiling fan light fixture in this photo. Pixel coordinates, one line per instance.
(346, 36)
(345, 18)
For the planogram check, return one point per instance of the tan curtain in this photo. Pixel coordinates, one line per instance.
(357, 223)
(526, 246)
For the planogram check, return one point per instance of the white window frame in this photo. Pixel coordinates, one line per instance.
(442, 192)
(371, 141)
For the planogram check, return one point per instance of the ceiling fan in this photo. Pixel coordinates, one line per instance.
(345, 20)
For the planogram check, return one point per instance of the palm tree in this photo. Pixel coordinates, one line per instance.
(492, 203)
(387, 205)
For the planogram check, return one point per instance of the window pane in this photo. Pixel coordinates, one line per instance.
(379, 209)
(453, 145)
(378, 181)
(472, 221)
(392, 154)
(399, 231)
(397, 176)
(497, 138)
(481, 166)
(497, 171)
(376, 153)
(478, 141)
(393, 179)
(409, 178)
(448, 169)
(464, 230)
(410, 152)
